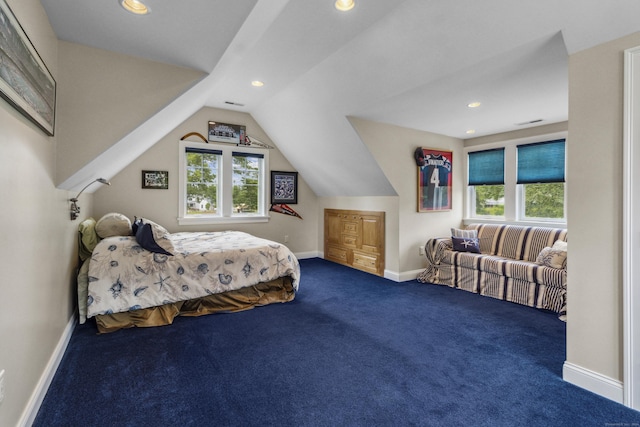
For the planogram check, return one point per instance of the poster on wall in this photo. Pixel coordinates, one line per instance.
(434, 179)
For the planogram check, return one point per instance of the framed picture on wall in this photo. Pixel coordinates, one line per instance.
(25, 80)
(435, 179)
(226, 132)
(158, 180)
(284, 187)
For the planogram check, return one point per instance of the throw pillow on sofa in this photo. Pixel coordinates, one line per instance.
(466, 244)
(469, 234)
(554, 258)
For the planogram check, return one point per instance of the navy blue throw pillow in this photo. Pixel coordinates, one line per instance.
(466, 244)
(146, 238)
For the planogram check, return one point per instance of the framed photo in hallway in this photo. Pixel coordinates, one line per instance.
(435, 179)
(25, 81)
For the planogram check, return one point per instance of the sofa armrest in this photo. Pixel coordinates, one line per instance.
(435, 248)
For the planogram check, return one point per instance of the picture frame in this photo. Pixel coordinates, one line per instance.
(226, 132)
(158, 180)
(25, 81)
(435, 179)
(284, 187)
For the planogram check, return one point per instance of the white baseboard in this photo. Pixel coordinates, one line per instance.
(306, 255)
(593, 381)
(33, 406)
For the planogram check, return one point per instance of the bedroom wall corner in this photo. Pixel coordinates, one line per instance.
(595, 143)
(39, 241)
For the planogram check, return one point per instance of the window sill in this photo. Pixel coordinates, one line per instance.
(223, 219)
(551, 224)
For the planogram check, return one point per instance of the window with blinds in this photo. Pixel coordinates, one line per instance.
(518, 182)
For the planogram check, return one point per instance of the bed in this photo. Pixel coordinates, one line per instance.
(139, 275)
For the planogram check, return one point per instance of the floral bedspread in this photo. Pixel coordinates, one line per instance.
(123, 276)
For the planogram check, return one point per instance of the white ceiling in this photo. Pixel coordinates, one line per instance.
(411, 63)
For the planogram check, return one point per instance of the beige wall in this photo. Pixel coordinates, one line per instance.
(38, 249)
(126, 196)
(594, 326)
(406, 229)
(518, 134)
(106, 96)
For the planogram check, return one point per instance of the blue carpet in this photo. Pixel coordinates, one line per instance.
(352, 349)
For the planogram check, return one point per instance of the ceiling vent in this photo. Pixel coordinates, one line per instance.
(529, 122)
(237, 104)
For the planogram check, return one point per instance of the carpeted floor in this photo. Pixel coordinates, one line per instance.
(352, 349)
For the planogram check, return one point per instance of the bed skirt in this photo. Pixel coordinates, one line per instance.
(278, 290)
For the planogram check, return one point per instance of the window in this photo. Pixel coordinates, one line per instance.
(203, 168)
(220, 183)
(486, 178)
(541, 179)
(517, 181)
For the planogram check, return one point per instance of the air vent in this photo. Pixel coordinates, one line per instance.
(529, 122)
(237, 104)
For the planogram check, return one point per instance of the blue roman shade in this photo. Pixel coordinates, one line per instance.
(486, 167)
(541, 162)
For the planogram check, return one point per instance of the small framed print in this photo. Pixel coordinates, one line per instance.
(155, 179)
(284, 187)
(434, 179)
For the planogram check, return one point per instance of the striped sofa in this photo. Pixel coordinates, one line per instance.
(505, 268)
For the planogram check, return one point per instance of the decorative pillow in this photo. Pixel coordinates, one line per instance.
(469, 234)
(135, 224)
(466, 244)
(560, 245)
(88, 238)
(113, 224)
(553, 258)
(154, 237)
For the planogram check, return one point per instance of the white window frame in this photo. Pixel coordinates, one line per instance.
(226, 214)
(513, 193)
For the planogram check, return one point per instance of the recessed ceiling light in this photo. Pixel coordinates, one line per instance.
(257, 83)
(474, 104)
(135, 6)
(471, 131)
(344, 5)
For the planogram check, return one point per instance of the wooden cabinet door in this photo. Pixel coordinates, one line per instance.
(332, 228)
(372, 235)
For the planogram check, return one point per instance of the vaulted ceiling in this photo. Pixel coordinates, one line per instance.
(411, 63)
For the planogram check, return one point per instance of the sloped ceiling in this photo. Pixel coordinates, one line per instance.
(411, 63)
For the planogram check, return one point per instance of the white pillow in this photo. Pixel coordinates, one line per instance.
(553, 258)
(113, 224)
(466, 234)
(560, 245)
